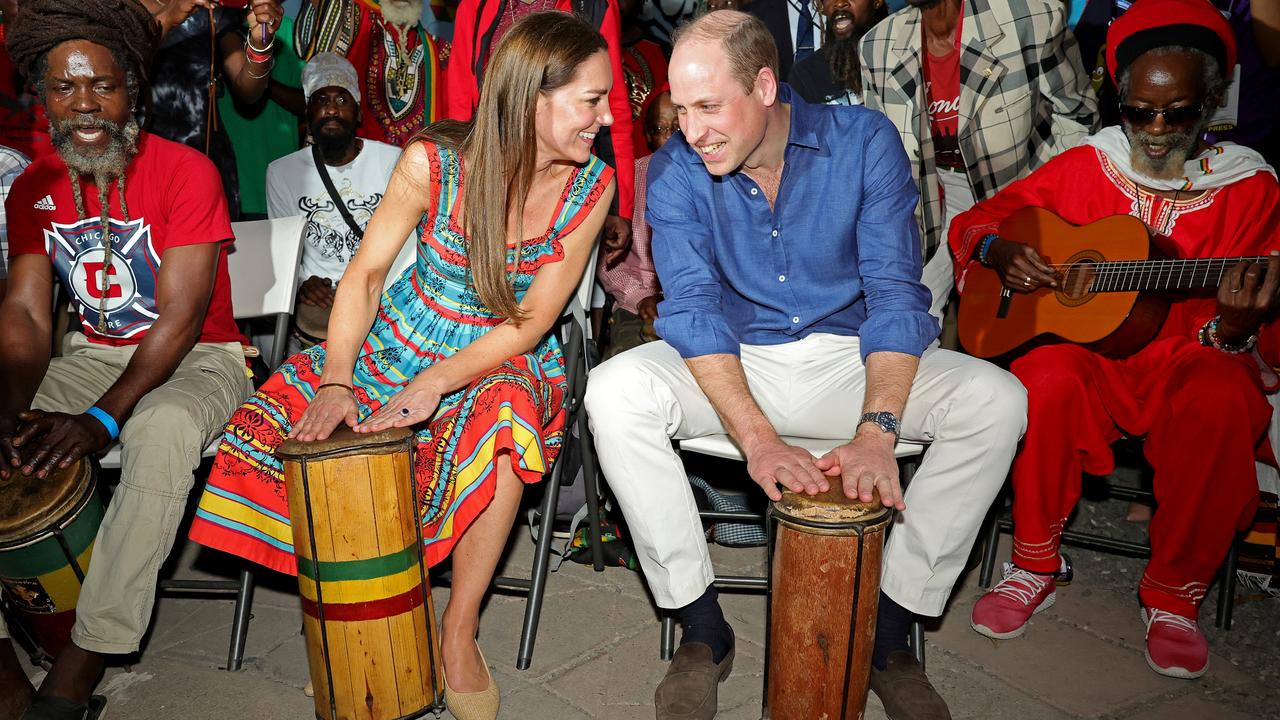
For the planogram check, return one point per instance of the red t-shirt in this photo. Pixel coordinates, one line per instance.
(175, 198)
(942, 88)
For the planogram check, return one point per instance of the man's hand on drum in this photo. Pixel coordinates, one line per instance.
(1020, 267)
(51, 441)
(864, 464)
(332, 405)
(774, 463)
(416, 403)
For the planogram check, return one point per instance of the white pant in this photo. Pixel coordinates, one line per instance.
(971, 412)
(937, 275)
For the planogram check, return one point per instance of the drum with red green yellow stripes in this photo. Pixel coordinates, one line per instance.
(370, 626)
(47, 528)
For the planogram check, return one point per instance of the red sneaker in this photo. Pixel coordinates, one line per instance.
(1004, 611)
(1175, 645)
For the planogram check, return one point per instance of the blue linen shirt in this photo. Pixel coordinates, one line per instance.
(838, 253)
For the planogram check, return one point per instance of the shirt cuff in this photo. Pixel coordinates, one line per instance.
(904, 331)
(695, 334)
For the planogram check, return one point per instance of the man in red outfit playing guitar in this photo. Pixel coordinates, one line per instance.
(1195, 391)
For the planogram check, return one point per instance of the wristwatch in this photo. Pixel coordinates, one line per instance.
(887, 421)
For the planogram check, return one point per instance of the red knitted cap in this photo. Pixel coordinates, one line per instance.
(1151, 24)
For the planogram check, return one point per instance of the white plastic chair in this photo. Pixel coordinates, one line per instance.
(263, 265)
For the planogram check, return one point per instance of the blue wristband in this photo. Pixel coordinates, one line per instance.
(105, 418)
(985, 246)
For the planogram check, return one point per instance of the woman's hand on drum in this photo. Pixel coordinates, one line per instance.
(331, 405)
(416, 403)
(777, 463)
(864, 464)
(50, 441)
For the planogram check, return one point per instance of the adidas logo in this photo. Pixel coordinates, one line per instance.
(45, 203)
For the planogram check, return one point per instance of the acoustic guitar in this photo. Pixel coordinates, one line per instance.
(1111, 300)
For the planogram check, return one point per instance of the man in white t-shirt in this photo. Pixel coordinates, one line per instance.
(358, 170)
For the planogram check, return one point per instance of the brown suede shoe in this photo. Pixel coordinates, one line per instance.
(905, 691)
(690, 689)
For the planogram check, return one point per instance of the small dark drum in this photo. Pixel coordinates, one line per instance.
(47, 529)
(367, 614)
(311, 323)
(825, 587)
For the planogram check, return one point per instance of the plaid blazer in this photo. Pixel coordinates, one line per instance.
(1024, 96)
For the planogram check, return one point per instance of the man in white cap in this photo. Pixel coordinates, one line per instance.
(337, 211)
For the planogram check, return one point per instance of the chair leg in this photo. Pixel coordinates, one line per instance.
(917, 642)
(667, 644)
(990, 543)
(1227, 590)
(591, 485)
(541, 567)
(240, 625)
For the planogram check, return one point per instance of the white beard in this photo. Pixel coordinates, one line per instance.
(401, 13)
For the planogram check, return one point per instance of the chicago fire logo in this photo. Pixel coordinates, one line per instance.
(128, 284)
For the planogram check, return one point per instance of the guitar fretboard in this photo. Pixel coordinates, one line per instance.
(1133, 275)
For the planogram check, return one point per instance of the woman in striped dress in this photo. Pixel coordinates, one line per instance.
(458, 346)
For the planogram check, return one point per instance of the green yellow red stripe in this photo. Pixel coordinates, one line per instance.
(371, 610)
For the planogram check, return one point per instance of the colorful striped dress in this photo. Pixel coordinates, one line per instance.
(428, 314)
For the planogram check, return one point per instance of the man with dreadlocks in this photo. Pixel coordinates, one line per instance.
(832, 75)
(135, 227)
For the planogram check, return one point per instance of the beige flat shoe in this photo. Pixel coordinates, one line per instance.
(309, 690)
(481, 705)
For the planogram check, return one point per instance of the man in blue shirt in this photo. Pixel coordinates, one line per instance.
(787, 248)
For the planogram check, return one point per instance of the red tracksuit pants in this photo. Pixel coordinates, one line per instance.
(1202, 412)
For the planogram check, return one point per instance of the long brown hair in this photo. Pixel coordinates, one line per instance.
(539, 54)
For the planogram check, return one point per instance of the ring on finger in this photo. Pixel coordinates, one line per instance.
(405, 412)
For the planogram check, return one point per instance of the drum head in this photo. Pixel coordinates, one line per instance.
(312, 320)
(33, 504)
(830, 508)
(345, 441)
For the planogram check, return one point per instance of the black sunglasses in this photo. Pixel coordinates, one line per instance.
(1142, 116)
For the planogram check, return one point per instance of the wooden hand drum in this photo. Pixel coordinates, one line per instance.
(825, 589)
(47, 529)
(370, 626)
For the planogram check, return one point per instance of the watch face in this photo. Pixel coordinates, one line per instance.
(886, 420)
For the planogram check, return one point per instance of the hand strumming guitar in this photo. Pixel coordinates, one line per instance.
(1020, 267)
(1247, 299)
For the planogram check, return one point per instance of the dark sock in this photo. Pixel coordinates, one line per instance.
(703, 621)
(893, 626)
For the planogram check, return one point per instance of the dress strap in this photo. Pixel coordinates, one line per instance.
(581, 195)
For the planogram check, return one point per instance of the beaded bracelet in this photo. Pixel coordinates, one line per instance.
(985, 246)
(1208, 337)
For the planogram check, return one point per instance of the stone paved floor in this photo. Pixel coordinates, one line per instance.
(597, 657)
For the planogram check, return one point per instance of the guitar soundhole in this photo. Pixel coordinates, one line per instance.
(1077, 279)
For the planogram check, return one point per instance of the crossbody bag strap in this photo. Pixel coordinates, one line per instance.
(333, 193)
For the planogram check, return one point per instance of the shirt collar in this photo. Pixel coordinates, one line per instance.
(802, 130)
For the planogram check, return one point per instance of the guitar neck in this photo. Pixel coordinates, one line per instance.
(1134, 275)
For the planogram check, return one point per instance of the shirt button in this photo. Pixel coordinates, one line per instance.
(775, 233)
(754, 191)
(782, 278)
(795, 319)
